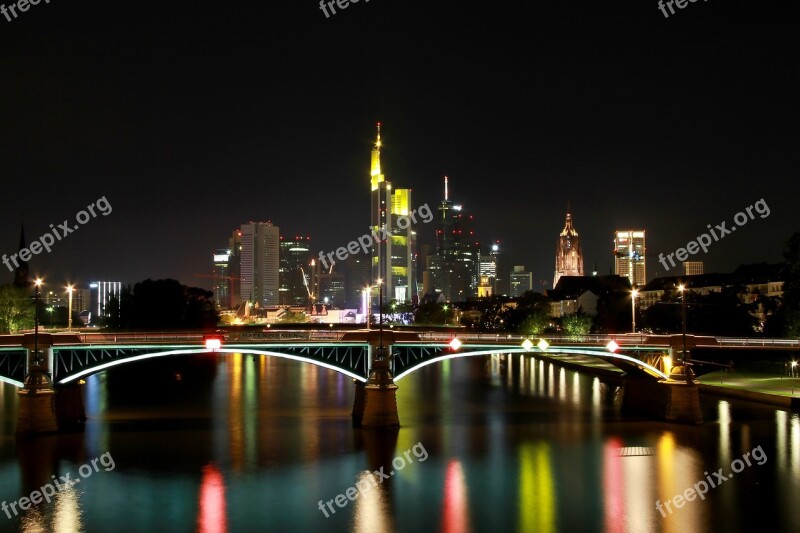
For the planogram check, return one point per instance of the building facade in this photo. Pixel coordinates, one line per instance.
(295, 261)
(490, 267)
(260, 263)
(393, 249)
(520, 281)
(629, 256)
(692, 268)
(221, 286)
(102, 292)
(454, 269)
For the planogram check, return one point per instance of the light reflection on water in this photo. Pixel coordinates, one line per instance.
(514, 444)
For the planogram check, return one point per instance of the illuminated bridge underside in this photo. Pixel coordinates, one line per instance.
(12, 365)
(74, 362)
(410, 357)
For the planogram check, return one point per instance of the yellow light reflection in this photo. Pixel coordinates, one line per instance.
(537, 496)
(795, 443)
(67, 514)
(724, 431)
(781, 418)
(371, 506)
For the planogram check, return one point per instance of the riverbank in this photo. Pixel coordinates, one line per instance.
(780, 391)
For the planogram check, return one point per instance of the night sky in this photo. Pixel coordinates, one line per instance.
(193, 117)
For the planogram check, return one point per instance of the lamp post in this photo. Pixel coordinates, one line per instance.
(38, 284)
(69, 309)
(634, 292)
(380, 311)
(686, 359)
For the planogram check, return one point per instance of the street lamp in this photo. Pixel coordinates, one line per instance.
(686, 358)
(38, 284)
(380, 310)
(69, 309)
(634, 293)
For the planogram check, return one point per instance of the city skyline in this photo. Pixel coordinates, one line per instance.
(517, 143)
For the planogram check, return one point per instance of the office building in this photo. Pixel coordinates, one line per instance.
(235, 268)
(520, 281)
(453, 271)
(569, 257)
(490, 267)
(221, 286)
(259, 263)
(692, 268)
(629, 256)
(295, 261)
(356, 270)
(101, 293)
(392, 252)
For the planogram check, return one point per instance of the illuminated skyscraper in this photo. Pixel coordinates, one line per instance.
(393, 246)
(295, 259)
(102, 292)
(454, 270)
(235, 268)
(490, 267)
(222, 282)
(629, 256)
(260, 263)
(569, 257)
(520, 281)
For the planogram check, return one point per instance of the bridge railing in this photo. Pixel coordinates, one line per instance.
(749, 341)
(197, 337)
(627, 338)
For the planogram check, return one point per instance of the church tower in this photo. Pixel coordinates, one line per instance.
(569, 258)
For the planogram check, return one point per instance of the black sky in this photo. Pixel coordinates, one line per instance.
(193, 117)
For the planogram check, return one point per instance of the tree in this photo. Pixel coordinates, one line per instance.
(433, 313)
(791, 286)
(290, 317)
(577, 324)
(17, 310)
(531, 316)
(161, 304)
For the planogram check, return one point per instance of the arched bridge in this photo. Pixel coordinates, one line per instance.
(73, 356)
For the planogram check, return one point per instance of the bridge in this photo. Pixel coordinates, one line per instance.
(374, 359)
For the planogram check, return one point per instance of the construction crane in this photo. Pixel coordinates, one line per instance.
(311, 296)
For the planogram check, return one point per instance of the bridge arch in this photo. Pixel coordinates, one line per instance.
(622, 361)
(347, 363)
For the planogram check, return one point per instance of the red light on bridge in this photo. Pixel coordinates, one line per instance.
(213, 344)
(455, 344)
(612, 346)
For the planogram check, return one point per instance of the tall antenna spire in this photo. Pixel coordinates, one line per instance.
(375, 166)
(445, 188)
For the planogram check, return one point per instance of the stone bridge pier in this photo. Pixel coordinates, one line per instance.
(375, 404)
(42, 407)
(676, 399)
